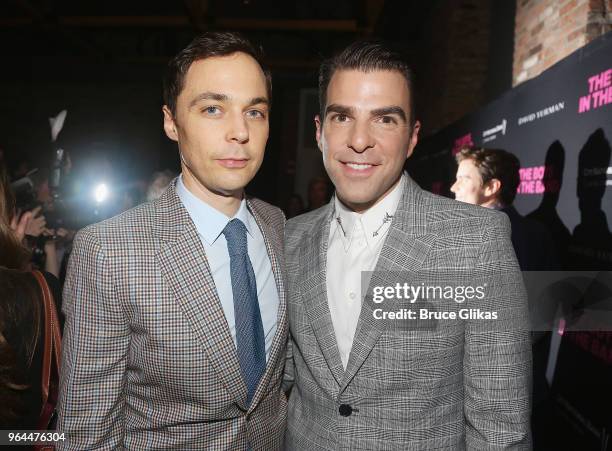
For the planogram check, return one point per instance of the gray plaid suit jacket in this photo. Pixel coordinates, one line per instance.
(462, 386)
(148, 360)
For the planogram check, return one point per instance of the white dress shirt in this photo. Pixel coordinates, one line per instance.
(209, 223)
(355, 242)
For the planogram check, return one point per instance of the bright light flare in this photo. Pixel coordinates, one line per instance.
(101, 193)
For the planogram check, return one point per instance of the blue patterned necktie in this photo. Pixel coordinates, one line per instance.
(250, 341)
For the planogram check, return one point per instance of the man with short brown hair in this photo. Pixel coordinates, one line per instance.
(490, 178)
(175, 311)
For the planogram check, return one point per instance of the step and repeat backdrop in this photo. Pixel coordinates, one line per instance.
(560, 126)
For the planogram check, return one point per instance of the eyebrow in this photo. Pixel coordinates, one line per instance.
(340, 109)
(209, 96)
(225, 98)
(258, 100)
(387, 110)
(384, 111)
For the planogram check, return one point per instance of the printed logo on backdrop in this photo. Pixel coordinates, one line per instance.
(600, 92)
(465, 140)
(491, 133)
(594, 177)
(551, 109)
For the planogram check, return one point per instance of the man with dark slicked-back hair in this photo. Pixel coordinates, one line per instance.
(358, 382)
(176, 323)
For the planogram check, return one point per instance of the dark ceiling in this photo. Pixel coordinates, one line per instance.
(103, 61)
(295, 35)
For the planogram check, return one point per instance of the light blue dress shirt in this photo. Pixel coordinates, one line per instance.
(209, 223)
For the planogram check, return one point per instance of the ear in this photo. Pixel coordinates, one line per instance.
(169, 124)
(414, 138)
(492, 188)
(319, 131)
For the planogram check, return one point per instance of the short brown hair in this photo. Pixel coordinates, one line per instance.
(366, 56)
(495, 164)
(208, 45)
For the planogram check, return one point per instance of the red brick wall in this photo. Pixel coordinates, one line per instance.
(546, 31)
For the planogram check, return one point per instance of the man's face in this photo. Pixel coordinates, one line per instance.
(365, 136)
(468, 186)
(221, 124)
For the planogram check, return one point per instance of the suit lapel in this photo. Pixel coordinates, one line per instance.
(274, 246)
(406, 247)
(183, 264)
(313, 261)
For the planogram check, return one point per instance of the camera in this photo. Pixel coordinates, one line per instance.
(41, 188)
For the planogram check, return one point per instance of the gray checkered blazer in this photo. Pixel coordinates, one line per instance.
(464, 385)
(148, 360)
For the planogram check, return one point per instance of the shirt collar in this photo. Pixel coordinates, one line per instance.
(375, 221)
(209, 221)
(345, 220)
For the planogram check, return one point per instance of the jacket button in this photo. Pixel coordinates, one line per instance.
(345, 410)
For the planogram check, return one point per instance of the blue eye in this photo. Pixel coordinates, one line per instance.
(211, 110)
(256, 114)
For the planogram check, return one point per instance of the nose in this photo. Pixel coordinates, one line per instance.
(360, 138)
(455, 186)
(238, 129)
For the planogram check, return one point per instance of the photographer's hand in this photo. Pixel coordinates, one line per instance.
(20, 223)
(37, 224)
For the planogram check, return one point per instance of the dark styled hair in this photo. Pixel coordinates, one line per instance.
(208, 45)
(495, 164)
(366, 56)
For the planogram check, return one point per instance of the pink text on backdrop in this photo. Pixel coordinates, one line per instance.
(538, 180)
(600, 92)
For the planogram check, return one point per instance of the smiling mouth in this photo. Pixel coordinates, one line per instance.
(359, 166)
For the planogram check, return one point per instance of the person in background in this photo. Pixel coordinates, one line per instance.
(318, 193)
(13, 227)
(130, 198)
(44, 241)
(21, 319)
(490, 178)
(159, 182)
